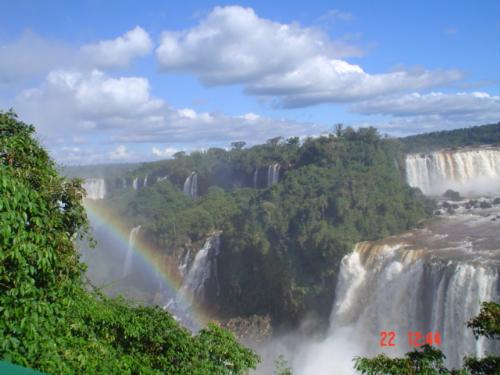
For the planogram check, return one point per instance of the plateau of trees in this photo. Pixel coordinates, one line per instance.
(283, 243)
(50, 319)
(450, 139)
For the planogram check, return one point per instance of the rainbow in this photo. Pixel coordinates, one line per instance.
(100, 215)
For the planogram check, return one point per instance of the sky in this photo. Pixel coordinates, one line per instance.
(128, 81)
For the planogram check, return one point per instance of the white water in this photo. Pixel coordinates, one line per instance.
(95, 188)
(130, 251)
(135, 183)
(467, 171)
(145, 182)
(425, 280)
(190, 187)
(194, 283)
(273, 174)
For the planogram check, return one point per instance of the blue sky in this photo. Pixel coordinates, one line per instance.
(133, 81)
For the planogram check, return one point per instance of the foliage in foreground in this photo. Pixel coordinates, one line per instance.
(428, 360)
(48, 320)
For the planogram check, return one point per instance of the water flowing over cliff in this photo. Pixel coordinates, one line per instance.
(190, 187)
(467, 171)
(273, 174)
(135, 183)
(255, 177)
(95, 188)
(204, 267)
(127, 267)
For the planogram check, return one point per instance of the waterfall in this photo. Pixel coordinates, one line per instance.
(130, 251)
(135, 183)
(428, 280)
(95, 188)
(203, 268)
(468, 170)
(255, 177)
(158, 179)
(190, 187)
(273, 174)
(145, 182)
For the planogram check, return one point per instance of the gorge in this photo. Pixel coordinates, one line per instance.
(412, 280)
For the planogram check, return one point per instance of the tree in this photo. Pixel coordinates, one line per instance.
(238, 145)
(49, 320)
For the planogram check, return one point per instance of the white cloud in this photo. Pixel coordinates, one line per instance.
(476, 104)
(417, 113)
(297, 66)
(232, 44)
(119, 52)
(70, 106)
(165, 153)
(28, 56)
(72, 102)
(119, 153)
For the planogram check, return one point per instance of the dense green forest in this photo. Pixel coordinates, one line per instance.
(49, 320)
(449, 139)
(333, 191)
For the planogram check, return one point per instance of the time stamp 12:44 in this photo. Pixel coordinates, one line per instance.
(415, 338)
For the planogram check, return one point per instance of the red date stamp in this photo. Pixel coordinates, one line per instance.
(415, 338)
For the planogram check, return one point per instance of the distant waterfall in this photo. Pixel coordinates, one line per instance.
(130, 251)
(203, 268)
(467, 171)
(255, 177)
(145, 182)
(95, 188)
(190, 187)
(135, 183)
(273, 174)
(429, 280)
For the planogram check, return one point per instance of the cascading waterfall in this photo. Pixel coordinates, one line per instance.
(200, 272)
(95, 188)
(190, 187)
(273, 174)
(195, 281)
(145, 182)
(430, 280)
(255, 177)
(468, 170)
(135, 183)
(130, 251)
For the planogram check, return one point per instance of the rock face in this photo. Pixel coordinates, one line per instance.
(254, 328)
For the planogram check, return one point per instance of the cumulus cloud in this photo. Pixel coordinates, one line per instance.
(28, 56)
(165, 153)
(298, 66)
(70, 106)
(119, 52)
(73, 101)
